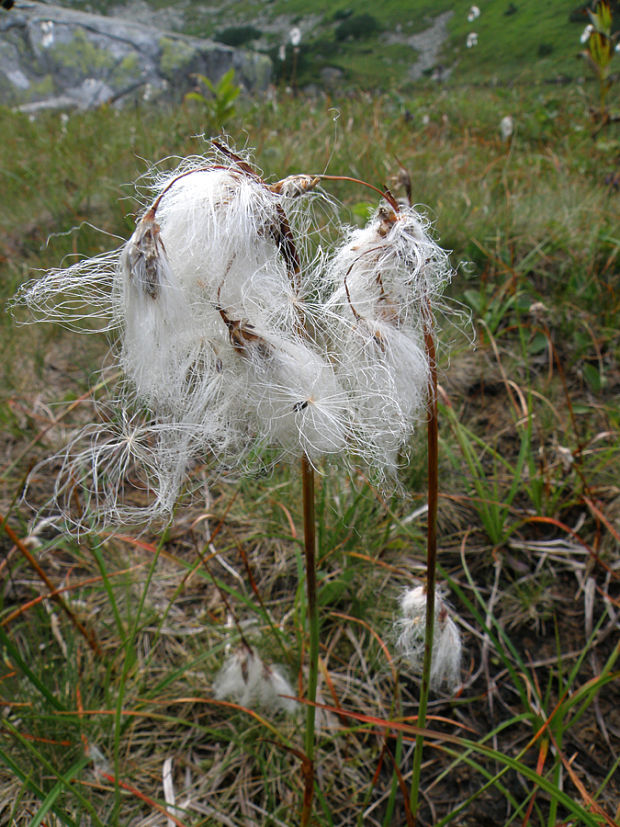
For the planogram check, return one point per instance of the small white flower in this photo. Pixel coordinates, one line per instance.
(295, 36)
(248, 681)
(585, 35)
(474, 13)
(282, 53)
(506, 127)
(446, 659)
(472, 40)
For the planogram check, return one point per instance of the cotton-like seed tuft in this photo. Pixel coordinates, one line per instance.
(411, 630)
(384, 278)
(236, 330)
(248, 681)
(506, 127)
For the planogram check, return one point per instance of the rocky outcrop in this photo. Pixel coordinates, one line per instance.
(428, 45)
(52, 56)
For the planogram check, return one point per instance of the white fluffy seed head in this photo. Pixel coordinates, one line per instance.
(506, 127)
(237, 331)
(217, 226)
(154, 311)
(411, 630)
(225, 334)
(386, 373)
(394, 262)
(249, 681)
(298, 402)
(384, 279)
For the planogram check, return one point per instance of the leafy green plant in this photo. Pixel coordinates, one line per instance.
(551, 712)
(220, 106)
(491, 307)
(357, 26)
(490, 496)
(600, 49)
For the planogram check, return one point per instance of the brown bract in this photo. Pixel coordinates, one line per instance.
(242, 337)
(387, 219)
(295, 185)
(145, 252)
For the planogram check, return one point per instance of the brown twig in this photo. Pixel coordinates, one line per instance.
(386, 194)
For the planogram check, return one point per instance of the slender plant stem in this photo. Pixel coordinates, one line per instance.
(383, 193)
(431, 553)
(307, 476)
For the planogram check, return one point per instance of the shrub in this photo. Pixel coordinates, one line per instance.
(238, 35)
(357, 26)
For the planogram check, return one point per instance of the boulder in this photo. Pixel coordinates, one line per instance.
(51, 56)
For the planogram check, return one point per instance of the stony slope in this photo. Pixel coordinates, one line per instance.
(56, 56)
(516, 39)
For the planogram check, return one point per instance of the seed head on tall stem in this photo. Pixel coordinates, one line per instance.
(236, 332)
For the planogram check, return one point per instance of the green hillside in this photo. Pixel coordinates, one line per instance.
(371, 46)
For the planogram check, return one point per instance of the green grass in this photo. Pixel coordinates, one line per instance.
(533, 44)
(528, 517)
(511, 46)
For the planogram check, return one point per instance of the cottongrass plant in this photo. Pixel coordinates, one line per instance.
(236, 328)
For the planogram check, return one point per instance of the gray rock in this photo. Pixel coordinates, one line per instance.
(427, 47)
(58, 57)
(331, 76)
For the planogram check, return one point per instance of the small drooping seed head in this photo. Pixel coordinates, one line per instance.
(411, 629)
(249, 681)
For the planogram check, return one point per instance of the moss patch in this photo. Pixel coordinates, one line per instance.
(128, 70)
(42, 88)
(176, 56)
(81, 55)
